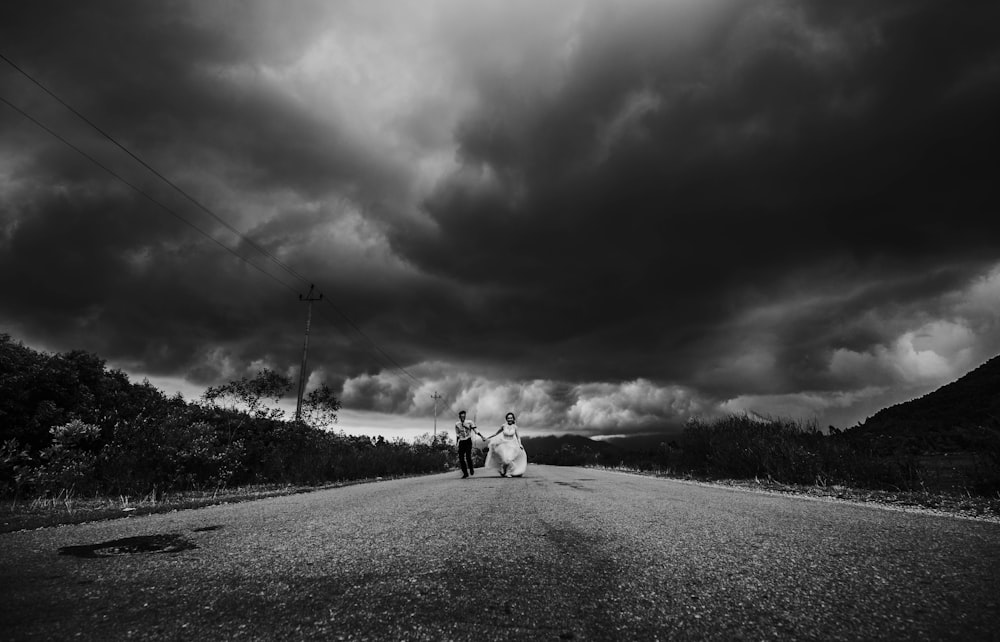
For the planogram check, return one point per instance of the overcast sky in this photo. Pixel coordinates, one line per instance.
(606, 217)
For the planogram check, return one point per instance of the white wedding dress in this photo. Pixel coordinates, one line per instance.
(506, 454)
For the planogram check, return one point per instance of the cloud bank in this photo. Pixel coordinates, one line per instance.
(610, 217)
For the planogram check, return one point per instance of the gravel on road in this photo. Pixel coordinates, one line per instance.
(559, 554)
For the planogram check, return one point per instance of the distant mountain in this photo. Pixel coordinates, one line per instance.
(956, 416)
(571, 449)
(647, 442)
(541, 447)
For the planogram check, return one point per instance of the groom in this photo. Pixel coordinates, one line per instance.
(463, 431)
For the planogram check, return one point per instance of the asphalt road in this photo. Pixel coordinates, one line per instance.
(559, 554)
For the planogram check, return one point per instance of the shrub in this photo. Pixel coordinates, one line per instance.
(786, 451)
(15, 468)
(69, 463)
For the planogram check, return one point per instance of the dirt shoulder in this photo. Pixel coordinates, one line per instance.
(46, 512)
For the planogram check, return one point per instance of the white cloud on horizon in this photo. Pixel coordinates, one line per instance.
(637, 404)
(935, 353)
(541, 404)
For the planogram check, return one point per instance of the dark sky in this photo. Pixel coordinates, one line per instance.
(607, 217)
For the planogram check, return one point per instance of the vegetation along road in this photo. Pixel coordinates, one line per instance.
(562, 553)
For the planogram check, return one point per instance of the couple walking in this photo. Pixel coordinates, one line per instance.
(506, 454)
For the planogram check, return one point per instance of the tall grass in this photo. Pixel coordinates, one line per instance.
(791, 452)
(180, 453)
(788, 451)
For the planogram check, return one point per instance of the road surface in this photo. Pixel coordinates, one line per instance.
(559, 554)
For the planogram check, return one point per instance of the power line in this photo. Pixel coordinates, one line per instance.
(374, 345)
(193, 200)
(153, 170)
(144, 194)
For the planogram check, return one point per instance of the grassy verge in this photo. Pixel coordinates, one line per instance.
(940, 502)
(67, 509)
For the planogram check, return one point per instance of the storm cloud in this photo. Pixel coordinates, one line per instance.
(607, 217)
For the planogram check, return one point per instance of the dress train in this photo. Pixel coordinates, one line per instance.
(506, 454)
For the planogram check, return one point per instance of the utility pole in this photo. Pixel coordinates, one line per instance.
(435, 397)
(305, 349)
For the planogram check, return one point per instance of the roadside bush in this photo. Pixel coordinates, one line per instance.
(69, 463)
(985, 477)
(70, 425)
(784, 451)
(15, 467)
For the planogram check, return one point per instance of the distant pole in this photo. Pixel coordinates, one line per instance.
(305, 350)
(435, 397)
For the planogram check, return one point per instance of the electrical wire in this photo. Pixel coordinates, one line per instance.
(227, 225)
(154, 171)
(144, 194)
(374, 345)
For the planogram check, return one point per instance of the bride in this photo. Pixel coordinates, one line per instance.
(506, 452)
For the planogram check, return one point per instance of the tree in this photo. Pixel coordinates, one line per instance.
(252, 393)
(320, 406)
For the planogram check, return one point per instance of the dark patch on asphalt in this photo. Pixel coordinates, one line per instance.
(494, 589)
(205, 529)
(130, 546)
(574, 486)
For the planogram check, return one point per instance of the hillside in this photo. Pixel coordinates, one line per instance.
(556, 449)
(957, 416)
(577, 450)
